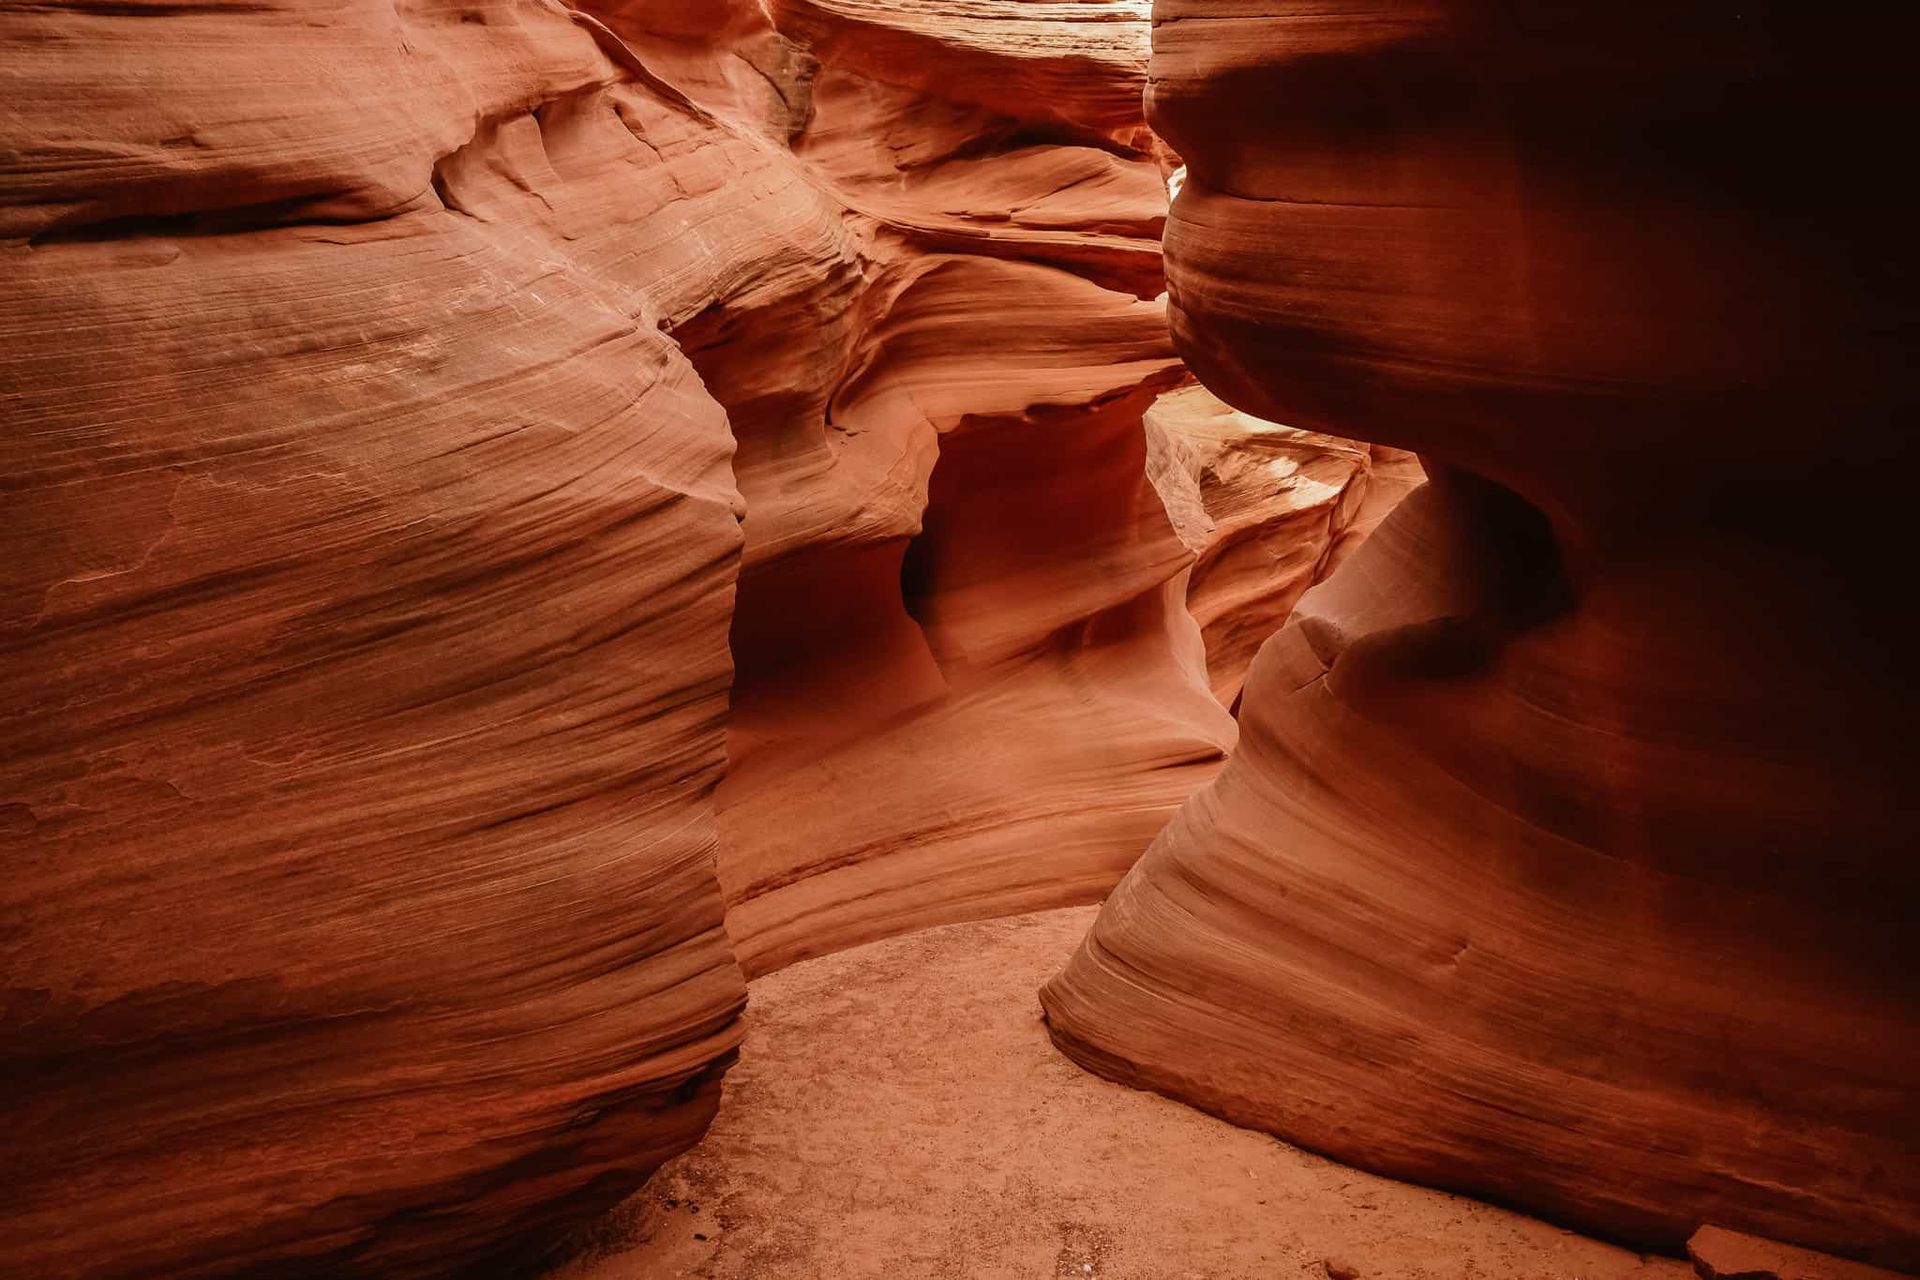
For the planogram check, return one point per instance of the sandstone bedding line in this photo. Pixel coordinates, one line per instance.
(394, 706)
(368, 560)
(898, 1110)
(1567, 854)
(516, 519)
(967, 679)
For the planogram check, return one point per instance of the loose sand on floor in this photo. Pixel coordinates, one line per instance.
(898, 1111)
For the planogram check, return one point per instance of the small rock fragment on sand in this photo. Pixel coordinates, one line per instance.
(1719, 1254)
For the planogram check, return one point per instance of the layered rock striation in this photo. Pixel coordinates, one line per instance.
(967, 680)
(1566, 855)
(369, 560)
(1268, 510)
(395, 702)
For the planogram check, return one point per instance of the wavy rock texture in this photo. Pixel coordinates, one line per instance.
(370, 556)
(1268, 510)
(966, 682)
(371, 553)
(1566, 857)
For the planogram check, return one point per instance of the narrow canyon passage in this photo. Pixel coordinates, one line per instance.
(899, 1111)
(834, 638)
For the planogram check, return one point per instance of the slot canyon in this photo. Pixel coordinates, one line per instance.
(1151, 639)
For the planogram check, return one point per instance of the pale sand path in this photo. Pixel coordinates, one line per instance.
(898, 1111)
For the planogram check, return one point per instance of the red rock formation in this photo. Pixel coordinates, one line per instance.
(1566, 855)
(369, 564)
(966, 683)
(1012, 730)
(1268, 510)
(371, 558)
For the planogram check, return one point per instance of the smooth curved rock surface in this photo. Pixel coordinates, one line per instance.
(1269, 510)
(387, 387)
(370, 556)
(1566, 857)
(966, 680)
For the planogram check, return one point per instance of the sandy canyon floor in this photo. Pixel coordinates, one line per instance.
(900, 1112)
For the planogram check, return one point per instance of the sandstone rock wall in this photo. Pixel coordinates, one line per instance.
(385, 388)
(967, 683)
(370, 555)
(1566, 857)
(1269, 510)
